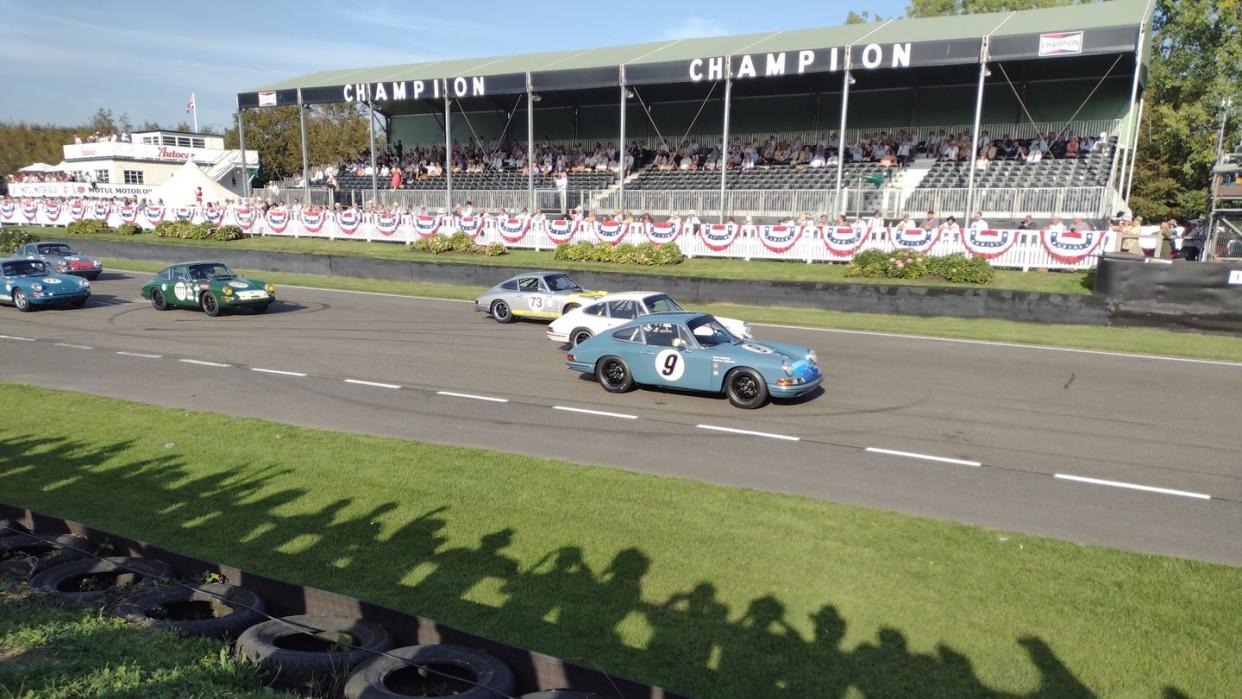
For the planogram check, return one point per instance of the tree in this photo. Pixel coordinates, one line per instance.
(863, 17)
(334, 133)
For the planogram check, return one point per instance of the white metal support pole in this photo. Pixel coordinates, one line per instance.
(621, 146)
(241, 143)
(371, 135)
(724, 137)
(1131, 134)
(530, 145)
(845, 107)
(974, 134)
(305, 159)
(448, 152)
(1138, 122)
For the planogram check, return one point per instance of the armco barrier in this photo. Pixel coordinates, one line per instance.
(1144, 291)
(534, 671)
(863, 298)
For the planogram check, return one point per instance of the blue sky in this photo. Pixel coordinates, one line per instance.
(60, 60)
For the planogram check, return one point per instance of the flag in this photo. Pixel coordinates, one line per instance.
(189, 106)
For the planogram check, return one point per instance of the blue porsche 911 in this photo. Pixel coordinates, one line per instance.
(695, 352)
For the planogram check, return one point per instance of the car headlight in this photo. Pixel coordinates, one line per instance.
(228, 291)
(812, 357)
(271, 288)
(787, 368)
(37, 287)
(86, 284)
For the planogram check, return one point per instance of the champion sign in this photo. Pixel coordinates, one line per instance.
(719, 236)
(561, 231)
(387, 223)
(312, 221)
(779, 238)
(349, 220)
(277, 220)
(426, 225)
(610, 232)
(844, 241)
(1071, 246)
(513, 229)
(663, 233)
(988, 244)
(917, 239)
(1060, 44)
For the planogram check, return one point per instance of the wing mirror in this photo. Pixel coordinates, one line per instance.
(679, 344)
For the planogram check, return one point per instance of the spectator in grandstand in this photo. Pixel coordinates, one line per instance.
(1034, 156)
(1056, 226)
(950, 226)
(930, 220)
(906, 223)
(1026, 224)
(978, 223)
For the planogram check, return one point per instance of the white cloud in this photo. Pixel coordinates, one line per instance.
(695, 28)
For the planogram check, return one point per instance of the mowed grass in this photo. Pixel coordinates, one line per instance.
(1133, 340)
(713, 591)
(708, 267)
(52, 651)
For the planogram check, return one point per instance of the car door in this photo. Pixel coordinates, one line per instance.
(671, 358)
(184, 292)
(530, 296)
(6, 287)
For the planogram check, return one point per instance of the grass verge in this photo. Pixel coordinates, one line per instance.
(714, 591)
(707, 267)
(1133, 340)
(52, 651)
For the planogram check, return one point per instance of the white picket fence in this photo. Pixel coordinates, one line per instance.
(1012, 249)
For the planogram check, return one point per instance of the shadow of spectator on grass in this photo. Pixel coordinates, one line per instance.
(397, 552)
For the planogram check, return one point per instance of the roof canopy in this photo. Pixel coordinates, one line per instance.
(1097, 28)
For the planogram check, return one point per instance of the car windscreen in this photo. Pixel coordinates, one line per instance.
(22, 268)
(661, 304)
(210, 270)
(561, 282)
(709, 332)
(55, 250)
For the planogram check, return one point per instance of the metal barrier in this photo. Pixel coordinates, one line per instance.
(1066, 202)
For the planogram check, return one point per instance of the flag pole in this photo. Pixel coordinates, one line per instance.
(194, 101)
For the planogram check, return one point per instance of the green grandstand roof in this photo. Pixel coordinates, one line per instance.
(1115, 13)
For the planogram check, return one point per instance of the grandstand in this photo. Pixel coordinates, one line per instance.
(891, 115)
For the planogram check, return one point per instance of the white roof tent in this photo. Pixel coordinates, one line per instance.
(1096, 40)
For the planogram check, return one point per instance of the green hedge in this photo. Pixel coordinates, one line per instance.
(13, 238)
(89, 227)
(459, 243)
(185, 230)
(625, 253)
(129, 229)
(907, 264)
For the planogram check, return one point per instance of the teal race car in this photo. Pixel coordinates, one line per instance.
(210, 286)
(695, 352)
(27, 284)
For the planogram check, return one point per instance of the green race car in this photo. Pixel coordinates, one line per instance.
(211, 286)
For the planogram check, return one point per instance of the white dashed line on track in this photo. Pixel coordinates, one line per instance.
(70, 345)
(751, 433)
(19, 339)
(601, 413)
(924, 457)
(278, 372)
(1133, 486)
(376, 384)
(140, 355)
(471, 396)
(200, 362)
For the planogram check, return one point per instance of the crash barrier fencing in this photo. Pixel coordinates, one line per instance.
(1019, 249)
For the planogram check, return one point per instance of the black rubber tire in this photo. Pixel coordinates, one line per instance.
(261, 308)
(26, 555)
(209, 304)
(579, 336)
(79, 303)
(746, 389)
(569, 307)
(93, 276)
(134, 571)
(297, 668)
(492, 678)
(610, 381)
(501, 312)
(561, 694)
(246, 609)
(19, 299)
(158, 302)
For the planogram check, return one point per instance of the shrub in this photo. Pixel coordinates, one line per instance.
(88, 227)
(496, 250)
(459, 242)
(962, 269)
(184, 230)
(13, 238)
(129, 229)
(868, 263)
(225, 233)
(906, 264)
(626, 253)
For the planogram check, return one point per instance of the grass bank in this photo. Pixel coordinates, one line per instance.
(713, 268)
(1134, 340)
(61, 652)
(714, 591)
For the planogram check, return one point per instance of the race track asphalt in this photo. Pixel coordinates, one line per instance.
(1012, 432)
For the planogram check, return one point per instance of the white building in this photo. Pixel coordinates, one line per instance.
(136, 168)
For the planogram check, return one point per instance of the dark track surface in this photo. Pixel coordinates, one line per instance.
(1024, 414)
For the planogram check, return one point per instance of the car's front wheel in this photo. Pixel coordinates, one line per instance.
(746, 388)
(20, 300)
(158, 302)
(261, 308)
(78, 303)
(501, 312)
(209, 304)
(579, 336)
(613, 375)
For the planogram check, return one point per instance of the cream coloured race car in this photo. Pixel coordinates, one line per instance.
(615, 310)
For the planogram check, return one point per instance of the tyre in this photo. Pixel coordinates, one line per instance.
(209, 304)
(501, 312)
(24, 555)
(746, 388)
(78, 303)
(579, 336)
(261, 308)
(92, 581)
(613, 374)
(93, 276)
(464, 673)
(20, 300)
(214, 610)
(158, 302)
(569, 307)
(305, 649)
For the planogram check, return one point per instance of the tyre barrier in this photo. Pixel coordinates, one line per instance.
(25, 555)
(431, 671)
(306, 649)
(93, 581)
(213, 610)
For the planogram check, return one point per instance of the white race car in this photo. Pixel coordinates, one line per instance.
(614, 310)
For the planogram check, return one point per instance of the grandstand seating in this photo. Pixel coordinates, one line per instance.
(773, 177)
(485, 181)
(1088, 170)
